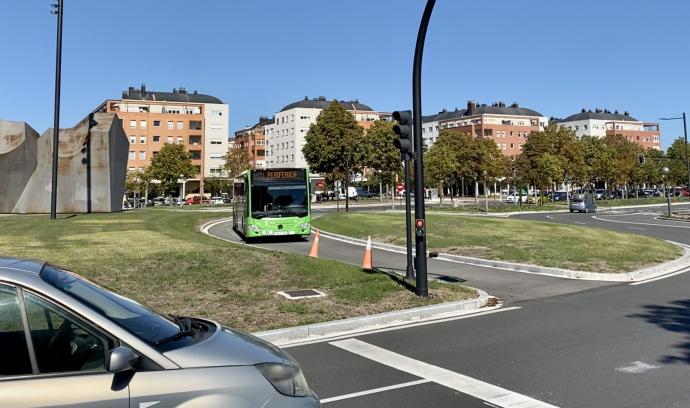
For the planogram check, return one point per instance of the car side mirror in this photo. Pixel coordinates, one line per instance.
(121, 359)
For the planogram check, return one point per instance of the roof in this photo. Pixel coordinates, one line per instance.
(321, 103)
(181, 95)
(599, 114)
(505, 110)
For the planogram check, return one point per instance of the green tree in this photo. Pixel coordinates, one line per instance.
(168, 166)
(624, 155)
(237, 161)
(380, 153)
(335, 144)
(441, 163)
(676, 163)
(563, 152)
(216, 185)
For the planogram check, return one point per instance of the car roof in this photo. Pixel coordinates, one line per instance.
(28, 265)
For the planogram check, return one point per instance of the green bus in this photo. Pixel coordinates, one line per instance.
(272, 202)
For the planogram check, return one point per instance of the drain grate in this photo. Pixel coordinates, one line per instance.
(301, 294)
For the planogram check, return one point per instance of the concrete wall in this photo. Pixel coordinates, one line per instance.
(98, 178)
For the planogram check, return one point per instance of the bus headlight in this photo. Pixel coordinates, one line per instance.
(305, 225)
(286, 379)
(254, 228)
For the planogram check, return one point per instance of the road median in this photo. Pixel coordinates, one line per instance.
(615, 257)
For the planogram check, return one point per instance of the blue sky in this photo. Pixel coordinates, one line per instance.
(552, 56)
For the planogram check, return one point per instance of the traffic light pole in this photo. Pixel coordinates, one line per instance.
(420, 221)
(409, 271)
(687, 159)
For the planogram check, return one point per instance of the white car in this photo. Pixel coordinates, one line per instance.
(216, 200)
(514, 198)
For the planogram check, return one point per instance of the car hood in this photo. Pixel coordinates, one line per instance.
(228, 347)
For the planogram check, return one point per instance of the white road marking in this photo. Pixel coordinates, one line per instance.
(549, 217)
(447, 378)
(403, 325)
(660, 277)
(374, 391)
(578, 222)
(642, 223)
(636, 367)
(638, 228)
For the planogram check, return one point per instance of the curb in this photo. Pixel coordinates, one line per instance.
(639, 275)
(354, 325)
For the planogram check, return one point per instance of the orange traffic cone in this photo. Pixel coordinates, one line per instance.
(314, 253)
(366, 262)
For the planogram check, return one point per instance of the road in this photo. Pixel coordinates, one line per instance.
(555, 342)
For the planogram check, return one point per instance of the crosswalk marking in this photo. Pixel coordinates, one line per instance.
(495, 395)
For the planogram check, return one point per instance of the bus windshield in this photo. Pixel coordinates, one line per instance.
(279, 200)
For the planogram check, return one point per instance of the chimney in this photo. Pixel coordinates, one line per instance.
(174, 90)
(124, 95)
(626, 113)
(583, 110)
(471, 107)
(616, 112)
(514, 105)
(597, 110)
(182, 90)
(195, 92)
(306, 98)
(131, 90)
(143, 89)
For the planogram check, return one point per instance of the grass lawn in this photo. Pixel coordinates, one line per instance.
(532, 242)
(159, 257)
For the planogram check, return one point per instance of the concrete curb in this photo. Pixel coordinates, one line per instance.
(634, 276)
(356, 325)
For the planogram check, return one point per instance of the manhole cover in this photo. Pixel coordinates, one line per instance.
(301, 294)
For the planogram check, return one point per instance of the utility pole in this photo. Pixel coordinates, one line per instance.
(57, 10)
(687, 159)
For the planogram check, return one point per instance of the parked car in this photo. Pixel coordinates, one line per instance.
(118, 353)
(599, 193)
(514, 198)
(559, 196)
(582, 204)
(216, 200)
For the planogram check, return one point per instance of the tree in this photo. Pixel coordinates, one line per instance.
(381, 155)
(624, 155)
(676, 163)
(335, 144)
(168, 166)
(441, 163)
(216, 185)
(237, 161)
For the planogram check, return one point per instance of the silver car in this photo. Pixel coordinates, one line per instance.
(585, 205)
(67, 342)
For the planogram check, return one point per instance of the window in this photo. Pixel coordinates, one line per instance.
(216, 113)
(180, 140)
(171, 124)
(61, 342)
(132, 140)
(170, 139)
(142, 155)
(132, 155)
(180, 125)
(142, 124)
(14, 353)
(132, 123)
(142, 139)
(156, 139)
(156, 123)
(195, 124)
(195, 140)
(214, 141)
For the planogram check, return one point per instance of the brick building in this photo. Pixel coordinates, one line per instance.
(602, 122)
(253, 139)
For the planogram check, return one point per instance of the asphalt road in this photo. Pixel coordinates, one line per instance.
(556, 342)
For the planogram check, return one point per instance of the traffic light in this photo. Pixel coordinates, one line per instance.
(404, 131)
(640, 158)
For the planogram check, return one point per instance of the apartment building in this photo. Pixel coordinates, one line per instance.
(285, 137)
(509, 126)
(253, 140)
(602, 122)
(153, 118)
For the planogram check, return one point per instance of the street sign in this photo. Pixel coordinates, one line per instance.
(399, 188)
(337, 184)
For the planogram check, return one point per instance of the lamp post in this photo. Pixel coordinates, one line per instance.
(57, 10)
(665, 171)
(685, 132)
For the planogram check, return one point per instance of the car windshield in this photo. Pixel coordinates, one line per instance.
(279, 200)
(126, 313)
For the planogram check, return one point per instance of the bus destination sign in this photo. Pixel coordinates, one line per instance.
(295, 174)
